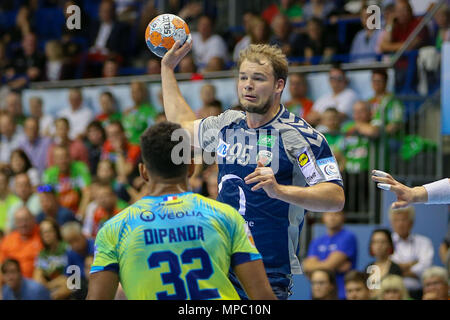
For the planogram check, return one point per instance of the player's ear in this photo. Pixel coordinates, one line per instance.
(280, 84)
(143, 172)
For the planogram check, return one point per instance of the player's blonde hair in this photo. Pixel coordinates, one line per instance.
(259, 52)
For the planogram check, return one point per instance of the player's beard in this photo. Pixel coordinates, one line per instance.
(261, 109)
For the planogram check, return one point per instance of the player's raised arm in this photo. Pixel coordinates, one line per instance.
(437, 192)
(175, 106)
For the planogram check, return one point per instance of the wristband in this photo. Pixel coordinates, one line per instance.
(438, 192)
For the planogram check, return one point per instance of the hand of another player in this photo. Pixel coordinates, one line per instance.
(405, 195)
(173, 57)
(266, 180)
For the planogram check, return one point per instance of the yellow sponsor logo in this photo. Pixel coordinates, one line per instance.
(303, 159)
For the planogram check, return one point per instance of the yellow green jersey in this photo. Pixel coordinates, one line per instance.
(176, 247)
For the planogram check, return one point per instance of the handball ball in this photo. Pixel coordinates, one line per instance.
(163, 31)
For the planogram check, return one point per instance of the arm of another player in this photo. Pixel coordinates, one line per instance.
(252, 276)
(103, 285)
(175, 106)
(436, 192)
(325, 196)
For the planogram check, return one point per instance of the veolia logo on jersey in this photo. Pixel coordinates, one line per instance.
(147, 216)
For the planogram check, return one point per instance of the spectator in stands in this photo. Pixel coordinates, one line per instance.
(27, 198)
(444, 253)
(356, 140)
(51, 262)
(7, 199)
(300, 104)
(78, 151)
(108, 105)
(244, 41)
(290, 42)
(46, 126)
(364, 43)
(23, 25)
(259, 32)
(70, 179)
(27, 60)
(319, 46)
(106, 174)
(442, 18)
(108, 206)
(206, 44)
(290, 8)
(110, 68)
(14, 107)
(153, 66)
(335, 251)
(20, 163)
(73, 38)
(80, 249)
(435, 284)
(56, 66)
(403, 25)
(35, 146)
(393, 288)
(381, 247)
(124, 154)
(11, 136)
(187, 65)
(95, 138)
(342, 97)
(214, 64)
(320, 9)
(141, 115)
(356, 286)
(17, 287)
(207, 94)
(384, 100)
(413, 252)
(211, 110)
(22, 244)
(78, 115)
(323, 285)
(51, 209)
(107, 36)
(330, 127)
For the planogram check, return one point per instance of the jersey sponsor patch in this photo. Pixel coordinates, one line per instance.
(307, 167)
(222, 149)
(266, 141)
(329, 168)
(265, 157)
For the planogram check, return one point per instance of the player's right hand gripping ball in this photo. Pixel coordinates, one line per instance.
(163, 31)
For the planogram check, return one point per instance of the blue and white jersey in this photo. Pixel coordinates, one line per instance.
(298, 155)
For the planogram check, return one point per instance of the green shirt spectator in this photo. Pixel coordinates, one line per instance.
(135, 121)
(70, 180)
(355, 148)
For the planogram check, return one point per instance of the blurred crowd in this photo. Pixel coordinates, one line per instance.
(62, 176)
(36, 44)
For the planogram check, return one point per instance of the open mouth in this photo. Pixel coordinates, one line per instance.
(250, 98)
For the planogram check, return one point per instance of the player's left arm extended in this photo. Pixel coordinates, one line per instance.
(322, 197)
(103, 285)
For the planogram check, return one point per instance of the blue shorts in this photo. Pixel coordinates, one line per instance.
(281, 285)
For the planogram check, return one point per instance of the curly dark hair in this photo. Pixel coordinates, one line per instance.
(156, 150)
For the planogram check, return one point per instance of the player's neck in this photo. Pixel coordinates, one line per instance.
(255, 120)
(160, 188)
